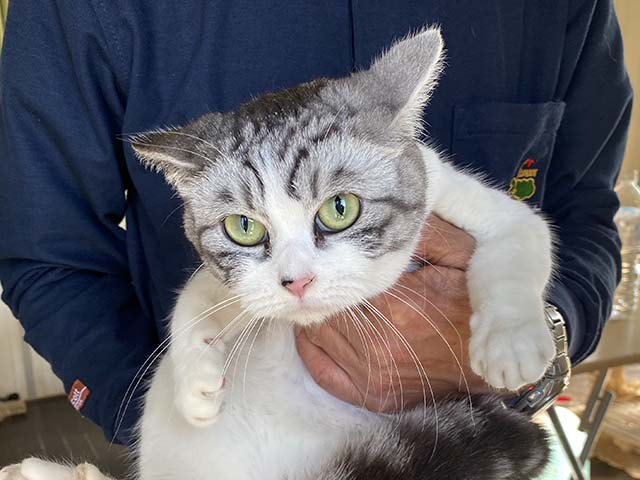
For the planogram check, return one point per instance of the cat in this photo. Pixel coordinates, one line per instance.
(302, 204)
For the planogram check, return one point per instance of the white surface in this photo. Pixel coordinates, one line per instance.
(559, 467)
(21, 369)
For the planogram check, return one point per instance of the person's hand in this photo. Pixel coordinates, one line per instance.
(363, 357)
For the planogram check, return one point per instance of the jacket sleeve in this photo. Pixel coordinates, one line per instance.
(589, 150)
(63, 259)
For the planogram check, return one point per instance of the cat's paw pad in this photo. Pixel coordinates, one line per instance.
(200, 394)
(511, 357)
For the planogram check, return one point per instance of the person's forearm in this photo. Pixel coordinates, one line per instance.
(587, 271)
(64, 263)
(90, 327)
(588, 247)
(579, 196)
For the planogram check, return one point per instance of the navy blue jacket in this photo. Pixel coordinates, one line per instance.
(529, 85)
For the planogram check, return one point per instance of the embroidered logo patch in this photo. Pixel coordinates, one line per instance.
(523, 185)
(78, 394)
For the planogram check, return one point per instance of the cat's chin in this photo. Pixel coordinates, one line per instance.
(307, 316)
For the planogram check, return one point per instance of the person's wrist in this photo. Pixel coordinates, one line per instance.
(536, 398)
(557, 324)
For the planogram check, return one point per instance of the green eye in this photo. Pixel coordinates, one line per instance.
(244, 231)
(339, 212)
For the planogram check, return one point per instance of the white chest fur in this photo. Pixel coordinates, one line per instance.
(275, 420)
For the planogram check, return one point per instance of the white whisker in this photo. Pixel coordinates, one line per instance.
(335, 117)
(237, 343)
(382, 341)
(439, 310)
(196, 271)
(442, 337)
(159, 350)
(427, 262)
(375, 350)
(422, 374)
(246, 362)
(367, 355)
(219, 335)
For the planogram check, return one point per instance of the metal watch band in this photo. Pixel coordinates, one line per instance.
(536, 398)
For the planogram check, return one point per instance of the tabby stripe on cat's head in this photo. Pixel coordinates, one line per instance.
(396, 203)
(300, 156)
(247, 163)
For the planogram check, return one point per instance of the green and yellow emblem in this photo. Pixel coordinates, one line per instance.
(523, 185)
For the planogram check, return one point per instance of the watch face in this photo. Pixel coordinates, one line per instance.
(537, 398)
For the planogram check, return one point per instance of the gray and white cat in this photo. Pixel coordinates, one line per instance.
(303, 204)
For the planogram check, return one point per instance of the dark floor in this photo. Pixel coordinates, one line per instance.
(602, 471)
(53, 429)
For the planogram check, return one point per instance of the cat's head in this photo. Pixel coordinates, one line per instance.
(307, 200)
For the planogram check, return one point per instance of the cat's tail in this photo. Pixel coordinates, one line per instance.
(487, 441)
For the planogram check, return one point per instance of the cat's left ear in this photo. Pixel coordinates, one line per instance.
(404, 77)
(177, 153)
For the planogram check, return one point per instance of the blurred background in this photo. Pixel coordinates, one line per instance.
(629, 18)
(35, 418)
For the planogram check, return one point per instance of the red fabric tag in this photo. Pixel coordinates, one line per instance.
(78, 394)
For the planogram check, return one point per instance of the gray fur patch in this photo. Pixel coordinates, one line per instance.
(486, 442)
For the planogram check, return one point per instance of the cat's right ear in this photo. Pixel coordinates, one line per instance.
(176, 153)
(403, 78)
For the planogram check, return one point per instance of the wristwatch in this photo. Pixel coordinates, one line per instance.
(535, 399)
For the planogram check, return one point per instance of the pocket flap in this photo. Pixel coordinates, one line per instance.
(507, 118)
(510, 143)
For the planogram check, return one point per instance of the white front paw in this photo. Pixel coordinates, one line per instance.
(36, 469)
(12, 472)
(510, 353)
(200, 388)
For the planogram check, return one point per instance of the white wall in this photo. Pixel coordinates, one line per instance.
(21, 369)
(629, 16)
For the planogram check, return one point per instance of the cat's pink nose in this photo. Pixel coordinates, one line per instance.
(298, 285)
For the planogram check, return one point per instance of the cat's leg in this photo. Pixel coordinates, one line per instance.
(197, 350)
(510, 344)
(36, 469)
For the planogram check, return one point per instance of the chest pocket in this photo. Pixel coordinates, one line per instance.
(511, 143)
